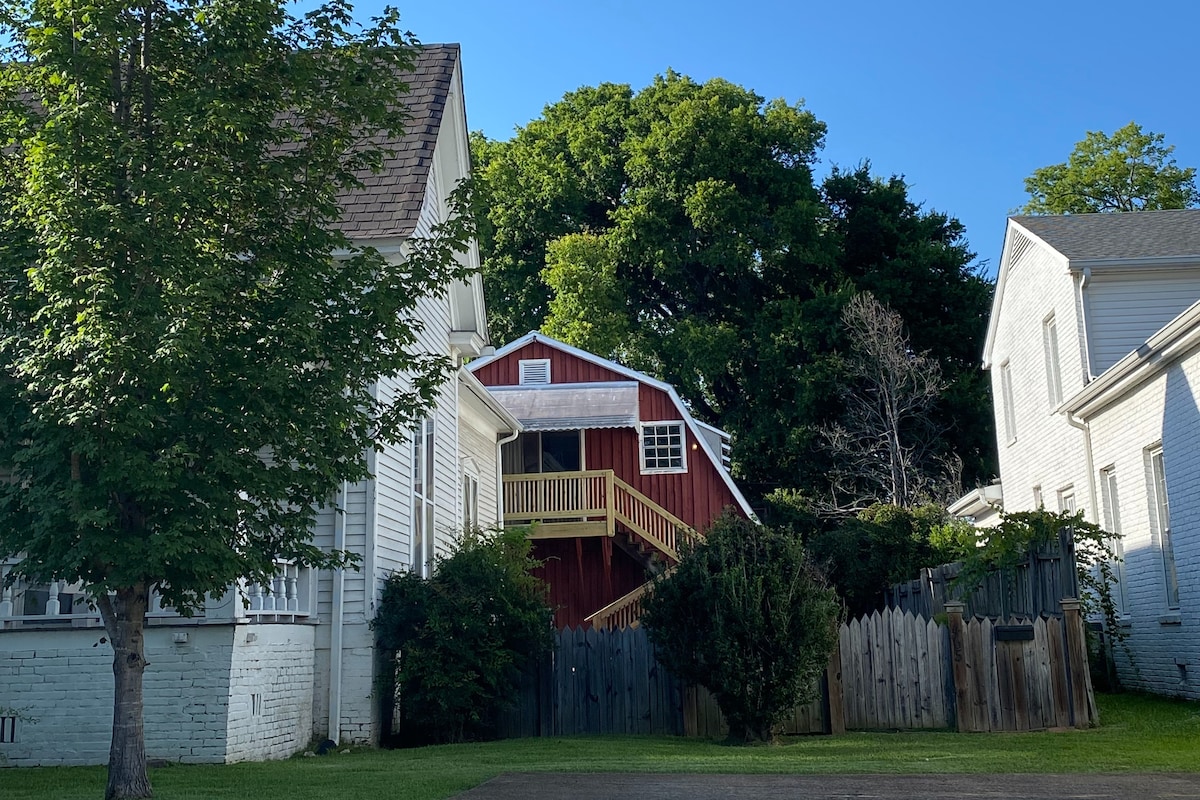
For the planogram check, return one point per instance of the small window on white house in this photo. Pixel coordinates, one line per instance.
(422, 509)
(533, 371)
(470, 501)
(1053, 373)
(1162, 525)
(1006, 392)
(662, 447)
(1112, 524)
(1038, 503)
(1066, 500)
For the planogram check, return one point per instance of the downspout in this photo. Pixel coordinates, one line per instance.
(335, 632)
(1085, 277)
(500, 475)
(1087, 459)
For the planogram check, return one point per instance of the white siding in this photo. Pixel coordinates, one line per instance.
(1046, 451)
(1163, 409)
(1127, 308)
(477, 446)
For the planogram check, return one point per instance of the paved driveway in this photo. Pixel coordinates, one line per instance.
(602, 786)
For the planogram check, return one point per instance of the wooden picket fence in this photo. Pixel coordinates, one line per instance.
(1031, 589)
(892, 670)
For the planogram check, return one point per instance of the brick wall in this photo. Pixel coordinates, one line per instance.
(270, 692)
(198, 706)
(1165, 643)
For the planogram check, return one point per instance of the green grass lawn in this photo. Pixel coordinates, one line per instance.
(1138, 734)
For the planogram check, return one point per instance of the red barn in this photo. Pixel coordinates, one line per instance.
(610, 466)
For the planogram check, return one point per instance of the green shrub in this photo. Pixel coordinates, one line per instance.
(886, 544)
(746, 615)
(458, 640)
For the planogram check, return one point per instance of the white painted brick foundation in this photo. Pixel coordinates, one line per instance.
(197, 693)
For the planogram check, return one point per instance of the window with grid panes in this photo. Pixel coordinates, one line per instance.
(662, 447)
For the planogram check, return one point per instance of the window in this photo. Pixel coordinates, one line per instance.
(1162, 524)
(1066, 500)
(256, 704)
(1038, 503)
(8, 729)
(1053, 374)
(1112, 524)
(422, 518)
(470, 501)
(533, 371)
(1010, 413)
(662, 447)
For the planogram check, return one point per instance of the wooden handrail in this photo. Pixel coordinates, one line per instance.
(624, 612)
(593, 494)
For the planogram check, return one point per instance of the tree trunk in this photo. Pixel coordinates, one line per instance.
(124, 619)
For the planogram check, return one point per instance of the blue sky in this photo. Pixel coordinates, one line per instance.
(964, 98)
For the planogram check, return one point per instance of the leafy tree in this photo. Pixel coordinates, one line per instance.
(185, 371)
(679, 229)
(463, 635)
(746, 615)
(883, 545)
(1131, 170)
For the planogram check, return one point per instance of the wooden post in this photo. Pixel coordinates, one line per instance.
(833, 690)
(610, 502)
(1083, 703)
(958, 655)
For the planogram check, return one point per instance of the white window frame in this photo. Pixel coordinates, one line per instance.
(470, 499)
(532, 368)
(424, 474)
(1160, 507)
(1053, 367)
(1066, 500)
(642, 445)
(1112, 525)
(1038, 502)
(1006, 399)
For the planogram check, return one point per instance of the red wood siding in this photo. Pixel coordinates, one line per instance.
(697, 496)
(576, 594)
(564, 367)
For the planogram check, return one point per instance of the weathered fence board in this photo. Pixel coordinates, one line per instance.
(1031, 589)
(892, 669)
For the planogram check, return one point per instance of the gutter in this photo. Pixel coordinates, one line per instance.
(1093, 506)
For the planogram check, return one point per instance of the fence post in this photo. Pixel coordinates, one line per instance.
(958, 654)
(1083, 702)
(833, 689)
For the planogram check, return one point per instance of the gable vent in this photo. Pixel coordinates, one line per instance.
(1020, 246)
(534, 371)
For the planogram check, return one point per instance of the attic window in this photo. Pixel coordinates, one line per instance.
(534, 371)
(662, 447)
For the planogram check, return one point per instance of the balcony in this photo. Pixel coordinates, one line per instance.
(592, 503)
(289, 597)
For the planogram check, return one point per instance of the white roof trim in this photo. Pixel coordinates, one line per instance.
(1156, 354)
(1002, 279)
(977, 501)
(693, 425)
(476, 388)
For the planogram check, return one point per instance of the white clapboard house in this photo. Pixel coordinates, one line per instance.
(1094, 352)
(266, 670)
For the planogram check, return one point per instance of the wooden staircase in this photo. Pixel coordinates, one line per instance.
(598, 503)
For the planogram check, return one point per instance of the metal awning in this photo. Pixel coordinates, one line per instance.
(571, 406)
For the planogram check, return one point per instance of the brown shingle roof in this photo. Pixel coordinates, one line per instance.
(1131, 235)
(390, 200)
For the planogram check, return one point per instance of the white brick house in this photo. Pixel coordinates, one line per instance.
(1094, 352)
(262, 672)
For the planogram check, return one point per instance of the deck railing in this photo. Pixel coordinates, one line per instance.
(289, 597)
(593, 496)
(624, 612)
